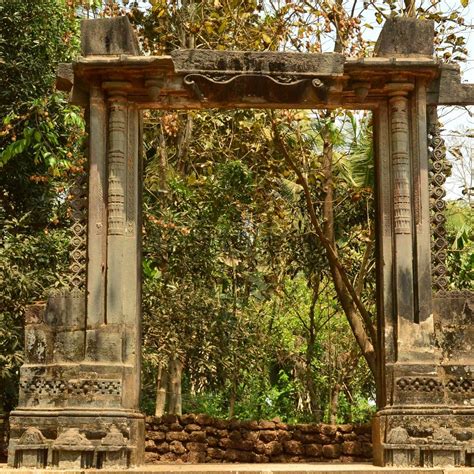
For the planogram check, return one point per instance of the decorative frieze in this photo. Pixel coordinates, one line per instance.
(419, 384)
(439, 170)
(78, 242)
(52, 388)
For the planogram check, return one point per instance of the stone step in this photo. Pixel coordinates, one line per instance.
(322, 468)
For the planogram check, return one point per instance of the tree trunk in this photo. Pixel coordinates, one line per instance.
(353, 307)
(334, 404)
(344, 296)
(161, 386)
(175, 397)
(311, 342)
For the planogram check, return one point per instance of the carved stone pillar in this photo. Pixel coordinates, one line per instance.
(79, 386)
(417, 424)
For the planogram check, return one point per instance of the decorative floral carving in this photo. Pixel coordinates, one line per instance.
(439, 170)
(32, 437)
(44, 387)
(460, 385)
(78, 205)
(419, 384)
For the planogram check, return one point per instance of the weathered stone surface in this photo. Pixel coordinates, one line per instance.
(155, 435)
(331, 451)
(193, 427)
(406, 37)
(177, 436)
(163, 447)
(293, 447)
(268, 435)
(257, 62)
(197, 436)
(273, 448)
(196, 446)
(177, 447)
(315, 450)
(108, 36)
(151, 458)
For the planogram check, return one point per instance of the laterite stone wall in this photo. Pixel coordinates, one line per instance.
(203, 439)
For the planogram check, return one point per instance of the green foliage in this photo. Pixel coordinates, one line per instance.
(30, 264)
(41, 141)
(460, 227)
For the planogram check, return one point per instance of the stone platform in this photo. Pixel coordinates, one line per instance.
(320, 468)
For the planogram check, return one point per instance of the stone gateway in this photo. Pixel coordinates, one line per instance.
(80, 383)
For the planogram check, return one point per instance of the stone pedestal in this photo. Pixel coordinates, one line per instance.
(431, 420)
(73, 392)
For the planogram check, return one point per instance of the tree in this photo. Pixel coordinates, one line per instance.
(40, 155)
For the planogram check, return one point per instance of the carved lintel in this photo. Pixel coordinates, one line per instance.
(248, 85)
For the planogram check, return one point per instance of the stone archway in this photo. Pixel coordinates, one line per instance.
(79, 387)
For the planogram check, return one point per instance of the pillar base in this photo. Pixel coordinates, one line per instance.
(73, 439)
(424, 437)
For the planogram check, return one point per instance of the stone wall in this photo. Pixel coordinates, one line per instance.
(203, 439)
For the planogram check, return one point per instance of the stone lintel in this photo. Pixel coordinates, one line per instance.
(403, 36)
(250, 62)
(108, 36)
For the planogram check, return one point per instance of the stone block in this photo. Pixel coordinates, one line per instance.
(39, 346)
(204, 420)
(177, 447)
(196, 457)
(177, 436)
(192, 427)
(332, 451)
(266, 425)
(345, 428)
(272, 449)
(268, 435)
(198, 436)
(69, 346)
(314, 450)
(150, 445)
(405, 37)
(108, 36)
(215, 453)
(103, 345)
(156, 435)
(234, 455)
(200, 447)
(163, 447)
(168, 458)
(293, 447)
(242, 445)
(328, 430)
(151, 458)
